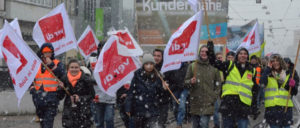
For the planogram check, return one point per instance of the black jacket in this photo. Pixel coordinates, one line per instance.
(75, 117)
(143, 96)
(175, 78)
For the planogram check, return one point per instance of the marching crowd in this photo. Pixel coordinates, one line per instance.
(235, 87)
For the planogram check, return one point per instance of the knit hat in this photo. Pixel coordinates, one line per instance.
(231, 53)
(46, 49)
(148, 58)
(253, 57)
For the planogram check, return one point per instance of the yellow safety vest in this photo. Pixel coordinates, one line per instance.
(237, 85)
(275, 96)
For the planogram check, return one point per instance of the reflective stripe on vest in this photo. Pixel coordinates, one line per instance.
(46, 80)
(237, 85)
(275, 96)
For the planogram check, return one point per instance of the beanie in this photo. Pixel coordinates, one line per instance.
(46, 49)
(148, 58)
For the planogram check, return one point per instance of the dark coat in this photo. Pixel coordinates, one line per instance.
(175, 78)
(276, 115)
(143, 96)
(79, 116)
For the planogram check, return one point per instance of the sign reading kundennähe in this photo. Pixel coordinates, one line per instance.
(158, 19)
(176, 5)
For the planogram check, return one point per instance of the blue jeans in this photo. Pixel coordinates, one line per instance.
(128, 121)
(200, 121)
(229, 122)
(103, 112)
(179, 110)
(216, 114)
(275, 126)
(261, 96)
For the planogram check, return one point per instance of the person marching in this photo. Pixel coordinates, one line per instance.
(103, 104)
(46, 90)
(239, 92)
(142, 101)
(77, 110)
(165, 95)
(278, 79)
(203, 87)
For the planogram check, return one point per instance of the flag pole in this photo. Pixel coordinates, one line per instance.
(163, 82)
(81, 58)
(206, 19)
(294, 70)
(55, 77)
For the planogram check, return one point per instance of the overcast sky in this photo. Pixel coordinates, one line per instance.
(281, 15)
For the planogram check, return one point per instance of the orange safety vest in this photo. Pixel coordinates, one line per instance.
(258, 75)
(46, 79)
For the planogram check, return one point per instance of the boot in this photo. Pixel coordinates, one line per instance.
(37, 119)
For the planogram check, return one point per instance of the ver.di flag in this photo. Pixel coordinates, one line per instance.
(127, 46)
(55, 28)
(112, 70)
(252, 40)
(22, 62)
(183, 44)
(87, 43)
(15, 25)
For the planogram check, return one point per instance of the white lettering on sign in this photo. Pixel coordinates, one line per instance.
(119, 70)
(177, 47)
(175, 5)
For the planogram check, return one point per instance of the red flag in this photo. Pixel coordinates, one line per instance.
(127, 46)
(87, 43)
(22, 62)
(55, 28)
(112, 70)
(183, 44)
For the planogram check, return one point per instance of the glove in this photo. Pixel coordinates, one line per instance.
(96, 99)
(255, 115)
(210, 45)
(292, 83)
(211, 52)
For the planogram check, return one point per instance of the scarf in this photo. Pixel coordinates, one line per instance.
(280, 77)
(74, 79)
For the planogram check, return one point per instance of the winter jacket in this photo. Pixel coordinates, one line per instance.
(275, 115)
(205, 91)
(228, 102)
(175, 78)
(79, 116)
(51, 98)
(166, 97)
(143, 96)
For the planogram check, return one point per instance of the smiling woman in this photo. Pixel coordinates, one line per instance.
(278, 80)
(77, 110)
